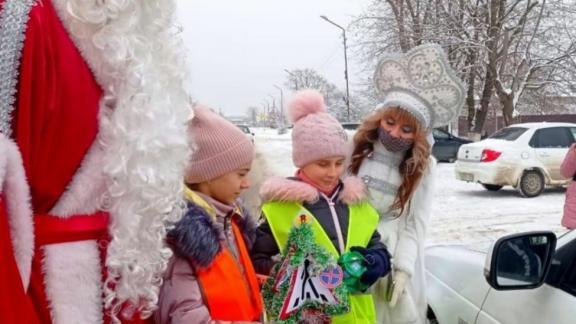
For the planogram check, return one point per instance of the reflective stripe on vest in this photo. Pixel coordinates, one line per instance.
(230, 287)
(363, 219)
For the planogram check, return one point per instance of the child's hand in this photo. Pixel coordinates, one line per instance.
(377, 264)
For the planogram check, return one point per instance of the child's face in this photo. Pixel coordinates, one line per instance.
(228, 187)
(398, 128)
(325, 173)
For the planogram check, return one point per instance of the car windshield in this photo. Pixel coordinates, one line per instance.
(509, 133)
(245, 129)
(350, 126)
(440, 134)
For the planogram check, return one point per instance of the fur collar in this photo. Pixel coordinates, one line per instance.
(197, 236)
(288, 190)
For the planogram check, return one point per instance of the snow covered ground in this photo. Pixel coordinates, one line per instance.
(467, 213)
(462, 212)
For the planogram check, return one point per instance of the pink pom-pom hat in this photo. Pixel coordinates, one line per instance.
(316, 134)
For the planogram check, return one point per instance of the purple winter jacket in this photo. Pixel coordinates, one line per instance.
(568, 170)
(196, 238)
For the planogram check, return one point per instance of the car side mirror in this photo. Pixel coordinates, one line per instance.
(520, 261)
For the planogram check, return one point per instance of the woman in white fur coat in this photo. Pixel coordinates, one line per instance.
(392, 155)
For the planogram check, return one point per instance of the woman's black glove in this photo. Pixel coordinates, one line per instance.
(377, 264)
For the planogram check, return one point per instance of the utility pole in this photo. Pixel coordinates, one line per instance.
(266, 108)
(273, 102)
(295, 78)
(347, 98)
(274, 112)
(281, 105)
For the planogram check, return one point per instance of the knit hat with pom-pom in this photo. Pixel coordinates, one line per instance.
(316, 134)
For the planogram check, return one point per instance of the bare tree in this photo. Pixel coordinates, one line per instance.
(529, 60)
(334, 97)
(505, 47)
(457, 25)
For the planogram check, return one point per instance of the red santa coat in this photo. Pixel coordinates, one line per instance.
(56, 123)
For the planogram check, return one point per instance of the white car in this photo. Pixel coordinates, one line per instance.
(246, 130)
(525, 156)
(524, 279)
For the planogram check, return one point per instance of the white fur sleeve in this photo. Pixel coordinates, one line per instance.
(412, 232)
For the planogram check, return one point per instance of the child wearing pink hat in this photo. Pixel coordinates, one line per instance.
(211, 279)
(319, 149)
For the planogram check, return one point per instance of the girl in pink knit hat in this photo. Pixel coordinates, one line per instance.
(319, 149)
(211, 279)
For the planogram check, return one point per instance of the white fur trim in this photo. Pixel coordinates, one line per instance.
(80, 33)
(73, 280)
(354, 191)
(85, 193)
(287, 190)
(72, 271)
(15, 189)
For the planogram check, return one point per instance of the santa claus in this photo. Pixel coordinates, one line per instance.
(93, 148)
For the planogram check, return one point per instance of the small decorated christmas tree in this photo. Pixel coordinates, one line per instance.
(307, 286)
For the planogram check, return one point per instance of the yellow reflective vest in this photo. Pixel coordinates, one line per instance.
(363, 221)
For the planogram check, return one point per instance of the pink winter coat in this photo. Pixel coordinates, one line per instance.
(568, 170)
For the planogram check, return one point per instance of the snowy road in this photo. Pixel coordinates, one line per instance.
(467, 213)
(462, 212)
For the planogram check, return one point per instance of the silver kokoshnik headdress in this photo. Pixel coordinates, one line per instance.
(422, 82)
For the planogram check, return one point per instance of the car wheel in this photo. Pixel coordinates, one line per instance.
(531, 183)
(491, 187)
(431, 317)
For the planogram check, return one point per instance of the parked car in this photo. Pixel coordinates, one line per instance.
(527, 278)
(246, 130)
(446, 145)
(525, 156)
(350, 125)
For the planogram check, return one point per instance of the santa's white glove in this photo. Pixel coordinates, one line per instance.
(400, 280)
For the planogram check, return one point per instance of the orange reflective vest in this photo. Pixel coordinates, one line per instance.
(229, 286)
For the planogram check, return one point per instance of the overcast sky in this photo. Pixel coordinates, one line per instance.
(238, 50)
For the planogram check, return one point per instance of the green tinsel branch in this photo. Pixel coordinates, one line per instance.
(300, 244)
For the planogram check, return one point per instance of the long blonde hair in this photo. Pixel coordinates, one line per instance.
(415, 161)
